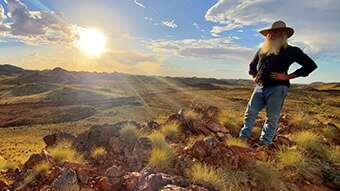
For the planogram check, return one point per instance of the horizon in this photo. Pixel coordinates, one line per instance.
(217, 39)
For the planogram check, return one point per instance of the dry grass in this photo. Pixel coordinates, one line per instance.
(98, 151)
(331, 133)
(191, 115)
(231, 120)
(302, 121)
(256, 132)
(309, 141)
(266, 175)
(64, 152)
(236, 142)
(162, 153)
(333, 154)
(293, 159)
(204, 174)
(8, 165)
(170, 130)
(129, 134)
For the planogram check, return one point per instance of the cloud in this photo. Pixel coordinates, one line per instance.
(170, 24)
(316, 26)
(35, 27)
(216, 48)
(3, 17)
(139, 4)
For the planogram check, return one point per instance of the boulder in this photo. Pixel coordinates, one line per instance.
(140, 154)
(66, 181)
(57, 137)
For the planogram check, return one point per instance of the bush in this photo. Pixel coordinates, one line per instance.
(333, 154)
(129, 134)
(190, 115)
(293, 158)
(161, 159)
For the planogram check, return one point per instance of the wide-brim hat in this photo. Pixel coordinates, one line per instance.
(278, 25)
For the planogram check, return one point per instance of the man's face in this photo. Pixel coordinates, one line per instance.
(274, 34)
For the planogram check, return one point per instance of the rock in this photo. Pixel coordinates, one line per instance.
(83, 175)
(198, 188)
(173, 188)
(282, 140)
(3, 185)
(57, 137)
(115, 173)
(214, 125)
(153, 125)
(130, 180)
(200, 128)
(212, 111)
(66, 181)
(36, 159)
(151, 182)
(104, 184)
(140, 154)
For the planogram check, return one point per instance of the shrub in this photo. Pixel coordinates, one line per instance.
(170, 130)
(236, 142)
(158, 141)
(231, 120)
(129, 134)
(308, 140)
(42, 167)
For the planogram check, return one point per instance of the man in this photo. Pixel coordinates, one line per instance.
(269, 70)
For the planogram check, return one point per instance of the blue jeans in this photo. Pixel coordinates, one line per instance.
(270, 97)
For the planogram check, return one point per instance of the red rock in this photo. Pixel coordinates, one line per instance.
(130, 180)
(104, 184)
(3, 185)
(200, 128)
(36, 159)
(214, 125)
(173, 188)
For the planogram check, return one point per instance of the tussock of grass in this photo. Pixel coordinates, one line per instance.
(191, 115)
(302, 121)
(265, 174)
(256, 132)
(129, 134)
(331, 133)
(221, 179)
(8, 165)
(162, 153)
(316, 105)
(236, 142)
(161, 159)
(170, 130)
(64, 152)
(42, 167)
(193, 138)
(292, 158)
(98, 151)
(333, 154)
(308, 140)
(231, 120)
(204, 174)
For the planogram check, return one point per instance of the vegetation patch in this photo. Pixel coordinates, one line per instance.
(231, 120)
(129, 134)
(236, 142)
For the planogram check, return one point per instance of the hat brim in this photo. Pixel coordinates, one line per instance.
(289, 31)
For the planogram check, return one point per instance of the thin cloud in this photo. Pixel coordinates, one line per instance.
(170, 24)
(319, 19)
(139, 4)
(216, 48)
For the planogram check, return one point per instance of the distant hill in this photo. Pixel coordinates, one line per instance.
(7, 69)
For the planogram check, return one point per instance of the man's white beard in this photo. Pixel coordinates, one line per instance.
(272, 46)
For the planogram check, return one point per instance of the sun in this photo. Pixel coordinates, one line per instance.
(92, 42)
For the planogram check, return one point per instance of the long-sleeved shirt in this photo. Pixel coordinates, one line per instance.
(264, 65)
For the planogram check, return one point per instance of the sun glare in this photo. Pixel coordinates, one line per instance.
(92, 42)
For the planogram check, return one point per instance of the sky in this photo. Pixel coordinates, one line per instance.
(202, 38)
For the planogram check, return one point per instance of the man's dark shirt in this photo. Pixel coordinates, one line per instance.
(264, 65)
